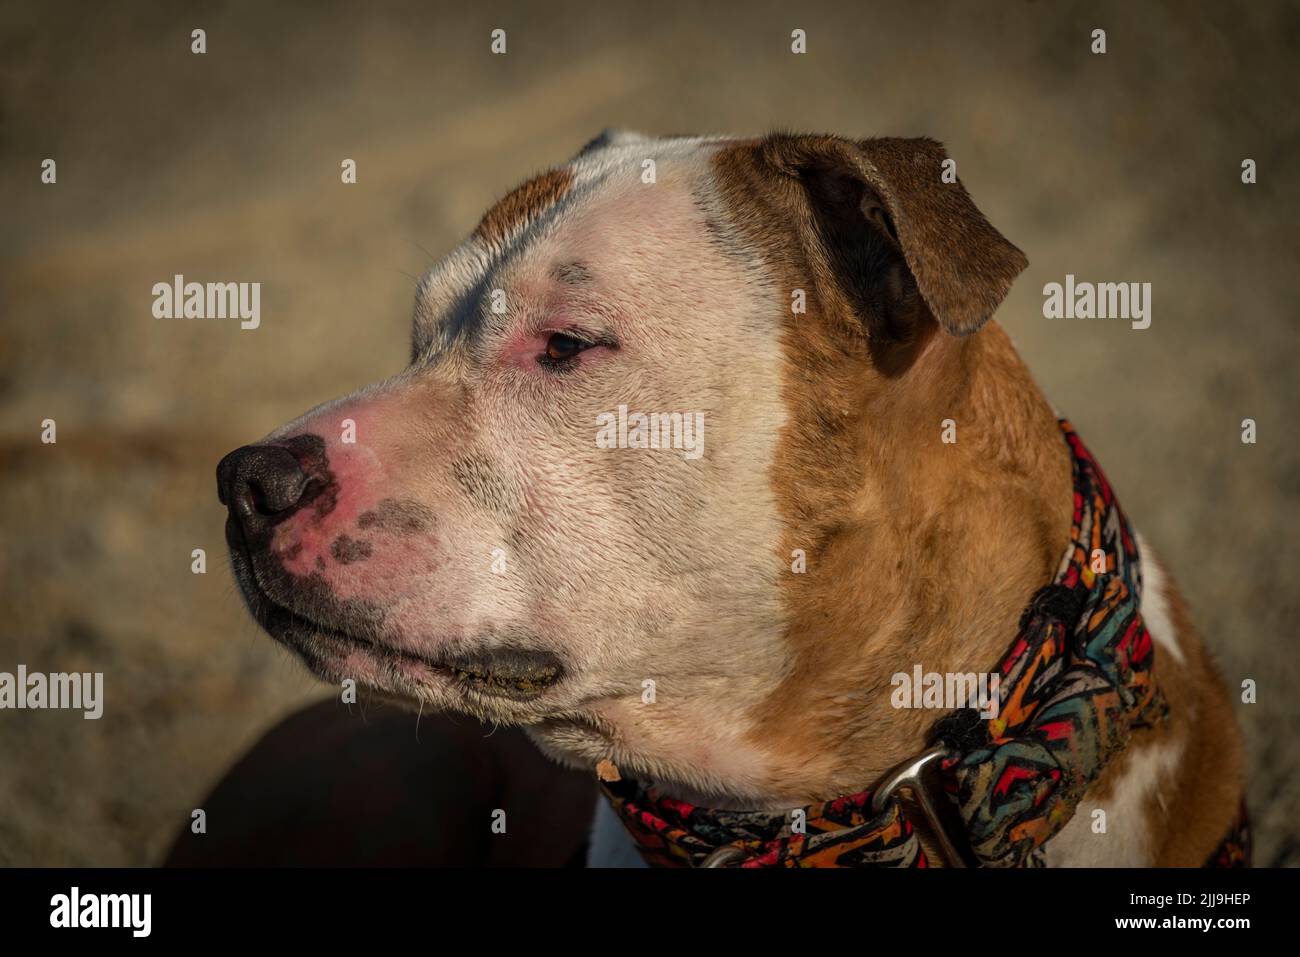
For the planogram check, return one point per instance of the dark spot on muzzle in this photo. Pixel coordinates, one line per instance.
(402, 517)
(348, 550)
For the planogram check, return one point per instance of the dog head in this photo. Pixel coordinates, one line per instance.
(648, 399)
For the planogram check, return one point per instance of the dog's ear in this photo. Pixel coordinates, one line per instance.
(869, 198)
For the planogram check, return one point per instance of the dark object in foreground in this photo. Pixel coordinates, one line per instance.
(331, 787)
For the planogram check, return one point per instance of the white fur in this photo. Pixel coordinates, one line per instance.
(1126, 841)
(631, 565)
(1155, 603)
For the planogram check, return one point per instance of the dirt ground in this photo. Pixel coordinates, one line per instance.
(1116, 167)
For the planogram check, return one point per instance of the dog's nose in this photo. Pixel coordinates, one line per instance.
(261, 485)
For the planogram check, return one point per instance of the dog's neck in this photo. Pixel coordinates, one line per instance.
(928, 560)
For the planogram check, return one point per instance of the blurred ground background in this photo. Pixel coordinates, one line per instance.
(1122, 167)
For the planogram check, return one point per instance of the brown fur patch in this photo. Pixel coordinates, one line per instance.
(523, 204)
(918, 552)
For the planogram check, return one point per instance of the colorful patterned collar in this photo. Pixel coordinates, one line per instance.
(1074, 685)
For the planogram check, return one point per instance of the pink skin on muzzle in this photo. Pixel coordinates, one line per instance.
(355, 535)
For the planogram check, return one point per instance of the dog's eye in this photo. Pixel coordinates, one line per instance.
(561, 348)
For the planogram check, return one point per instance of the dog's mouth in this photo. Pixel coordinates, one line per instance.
(503, 671)
(519, 674)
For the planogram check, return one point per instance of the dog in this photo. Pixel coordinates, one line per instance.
(514, 527)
